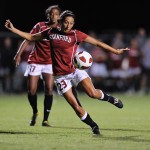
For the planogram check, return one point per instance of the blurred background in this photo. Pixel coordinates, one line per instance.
(119, 24)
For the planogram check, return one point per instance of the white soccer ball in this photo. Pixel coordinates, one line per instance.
(83, 60)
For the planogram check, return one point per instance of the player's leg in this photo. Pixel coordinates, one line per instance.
(48, 99)
(99, 94)
(76, 95)
(32, 96)
(81, 113)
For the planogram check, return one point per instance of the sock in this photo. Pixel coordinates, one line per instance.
(33, 102)
(48, 100)
(106, 97)
(88, 120)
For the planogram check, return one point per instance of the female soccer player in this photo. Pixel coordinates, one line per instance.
(64, 42)
(40, 64)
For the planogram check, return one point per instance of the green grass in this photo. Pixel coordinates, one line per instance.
(121, 129)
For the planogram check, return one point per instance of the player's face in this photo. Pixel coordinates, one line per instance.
(54, 15)
(67, 24)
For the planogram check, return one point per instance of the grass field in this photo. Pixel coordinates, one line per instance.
(121, 129)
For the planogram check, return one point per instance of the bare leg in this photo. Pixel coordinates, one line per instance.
(99, 94)
(76, 96)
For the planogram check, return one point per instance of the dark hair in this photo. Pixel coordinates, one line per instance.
(50, 8)
(65, 14)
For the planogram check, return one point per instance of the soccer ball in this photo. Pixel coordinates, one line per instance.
(82, 60)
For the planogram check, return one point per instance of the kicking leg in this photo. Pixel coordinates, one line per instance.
(99, 94)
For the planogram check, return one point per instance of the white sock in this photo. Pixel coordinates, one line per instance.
(102, 97)
(84, 116)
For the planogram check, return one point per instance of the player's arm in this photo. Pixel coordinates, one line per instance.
(28, 36)
(98, 43)
(22, 47)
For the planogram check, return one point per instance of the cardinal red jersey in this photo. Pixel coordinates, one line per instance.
(63, 49)
(41, 51)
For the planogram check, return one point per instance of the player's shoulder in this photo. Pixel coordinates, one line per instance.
(42, 23)
(76, 31)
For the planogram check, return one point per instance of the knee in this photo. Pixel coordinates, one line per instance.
(49, 90)
(32, 92)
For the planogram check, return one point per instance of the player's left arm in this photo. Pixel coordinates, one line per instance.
(105, 46)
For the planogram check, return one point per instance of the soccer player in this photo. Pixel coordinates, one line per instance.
(64, 42)
(40, 64)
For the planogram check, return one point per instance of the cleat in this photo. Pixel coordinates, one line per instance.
(46, 124)
(95, 130)
(118, 103)
(33, 119)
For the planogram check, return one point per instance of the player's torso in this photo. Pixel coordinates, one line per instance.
(63, 49)
(41, 51)
(63, 43)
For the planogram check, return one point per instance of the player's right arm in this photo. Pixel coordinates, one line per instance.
(28, 36)
(22, 47)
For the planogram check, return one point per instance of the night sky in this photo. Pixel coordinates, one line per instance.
(98, 15)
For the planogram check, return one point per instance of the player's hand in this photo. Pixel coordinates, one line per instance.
(9, 25)
(120, 51)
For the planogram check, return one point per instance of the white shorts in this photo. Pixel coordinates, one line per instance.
(64, 83)
(38, 69)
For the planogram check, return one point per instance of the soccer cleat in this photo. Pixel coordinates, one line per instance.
(46, 124)
(118, 103)
(95, 130)
(33, 119)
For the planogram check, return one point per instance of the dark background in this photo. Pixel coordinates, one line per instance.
(92, 14)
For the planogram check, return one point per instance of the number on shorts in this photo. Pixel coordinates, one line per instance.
(32, 68)
(62, 85)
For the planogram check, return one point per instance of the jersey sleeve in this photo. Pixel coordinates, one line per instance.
(81, 36)
(35, 29)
